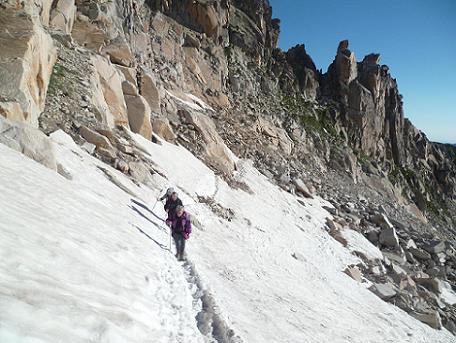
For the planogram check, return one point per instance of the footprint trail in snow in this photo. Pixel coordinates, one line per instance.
(207, 315)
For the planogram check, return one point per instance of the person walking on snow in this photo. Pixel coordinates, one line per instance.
(172, 202)
(168, 193)
(181, 228)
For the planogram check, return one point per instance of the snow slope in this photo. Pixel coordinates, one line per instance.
(74, 266)
(81, 261)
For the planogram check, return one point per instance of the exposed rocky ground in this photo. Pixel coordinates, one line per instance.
(208, 75)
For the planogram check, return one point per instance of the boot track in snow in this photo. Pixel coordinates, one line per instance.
(208, 318)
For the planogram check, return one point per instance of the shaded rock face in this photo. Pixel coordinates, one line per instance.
(253, 29)
(208, 17)
(26, 63)
(304, 70)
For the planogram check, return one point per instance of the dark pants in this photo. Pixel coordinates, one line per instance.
(180, 243)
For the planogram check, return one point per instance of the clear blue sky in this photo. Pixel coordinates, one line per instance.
(416, 39)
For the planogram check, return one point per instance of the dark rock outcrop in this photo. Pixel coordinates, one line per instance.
(252, 28)
(304, 70)
(208, 17)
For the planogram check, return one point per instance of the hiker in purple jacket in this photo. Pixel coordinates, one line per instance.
(181, 228)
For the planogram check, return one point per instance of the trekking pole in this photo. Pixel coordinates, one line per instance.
(170, 240)
(156, 201)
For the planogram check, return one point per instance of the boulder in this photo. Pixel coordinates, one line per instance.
(419, 253)
(107, 94)
(140, 172)
(29, 141)
(128, 73)
(139, 115)
(331, 210)
(95, 138)
(338, 236)
(161, 127)
(149, 91)
(27, 59)
(129, 88)
(62, 138)
(88, 147)
(88, 34)
(302, 188)
(277, 136)
(398, 256)
(410, 244)
(410, 258)
(398, 270)
(119, 52)
(63, 15)
(354, 272)
(381, 220)
(125, 148)
(191, 41)
(266, 127)
(434, 247)
(215, 149)
(404, 301)
(107, 154)
(121, 165)
(407, 283)
(431, 318)
(388, 237)
(331, 225)
(384, 291)
(432, 284)
(372, 235)
(109, 134)
(450, 325)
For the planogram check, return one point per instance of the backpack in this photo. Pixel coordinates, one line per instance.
(180, 224)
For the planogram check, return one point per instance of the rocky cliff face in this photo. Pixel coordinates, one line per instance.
(372, 115)
(142, 56)
(207, 74)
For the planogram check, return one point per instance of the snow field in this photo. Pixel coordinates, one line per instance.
(80, 261)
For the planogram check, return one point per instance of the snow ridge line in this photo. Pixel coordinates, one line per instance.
(208, 317)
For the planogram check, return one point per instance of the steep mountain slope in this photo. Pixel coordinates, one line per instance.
(274, 137)
(84, 260)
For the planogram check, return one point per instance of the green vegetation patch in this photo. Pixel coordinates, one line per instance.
(312, 118)
(61, 80)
